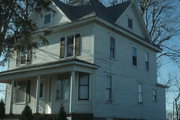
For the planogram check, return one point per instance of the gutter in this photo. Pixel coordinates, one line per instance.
(62, 27)
(48, 67)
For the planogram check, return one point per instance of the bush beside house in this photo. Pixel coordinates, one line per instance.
(2, 109)
(27, 114)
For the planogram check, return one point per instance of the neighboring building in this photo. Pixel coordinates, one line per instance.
(100, 63)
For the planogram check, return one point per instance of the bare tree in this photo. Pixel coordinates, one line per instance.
(174, 89)
(163, 23)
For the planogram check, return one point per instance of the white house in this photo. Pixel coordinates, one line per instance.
(100, 64)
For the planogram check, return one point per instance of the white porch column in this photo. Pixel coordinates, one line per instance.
(72, 83)
(37, 94)
(11, 97)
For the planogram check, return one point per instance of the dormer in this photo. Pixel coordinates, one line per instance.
(49, 18)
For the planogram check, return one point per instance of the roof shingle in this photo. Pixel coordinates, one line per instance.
(78, 9)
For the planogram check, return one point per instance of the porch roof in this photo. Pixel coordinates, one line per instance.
(47, 68)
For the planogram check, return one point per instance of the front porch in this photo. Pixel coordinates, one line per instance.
(45, 88)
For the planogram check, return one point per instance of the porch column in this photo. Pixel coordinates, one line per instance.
(37, 94)
(72, 83)
(11, 97)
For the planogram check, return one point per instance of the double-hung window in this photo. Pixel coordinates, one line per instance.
(154, 95)
(130, 23)
(147, 61)
(108, 88)
(47, 18)
(112, 47)
(24, 56)
(140, 93)
(70, 46)
(134, 56)
(83, 86)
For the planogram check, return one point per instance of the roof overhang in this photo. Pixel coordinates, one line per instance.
(161, 85)
(95, 19)
(48, 68)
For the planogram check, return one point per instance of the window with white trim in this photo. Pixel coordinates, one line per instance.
(108, 95)
(130, 23)
(154, 95)
(147, 60)
(112, 47)
(134, 56)
(47, 18)
(83, 86)
(140, 93)
(24, 56)
(70, 46)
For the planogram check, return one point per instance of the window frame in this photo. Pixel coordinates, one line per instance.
(76, 45)
(130, 23)
(140, 93)
(112, 47)
(79, 85)
(24, 53)
(61, 78)
(134, 57)
(154, 95)
(24, 101)
(47, 18)
(147, 61)
(109, 89)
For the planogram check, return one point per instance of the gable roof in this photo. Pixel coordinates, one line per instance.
(79, 9)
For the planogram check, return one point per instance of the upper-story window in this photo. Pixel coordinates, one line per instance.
(134, 56)
(147, 61)
(130, 23)
(24, 56)
(154, 95)
(112, 47)
(70, 46)
(140, 93)
(47, 18)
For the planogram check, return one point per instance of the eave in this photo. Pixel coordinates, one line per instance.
(47, 68)
(95, 19)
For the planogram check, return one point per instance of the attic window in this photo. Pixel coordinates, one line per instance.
(130, 23)
(47, 18)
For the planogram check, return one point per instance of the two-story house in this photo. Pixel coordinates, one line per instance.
(100, 63)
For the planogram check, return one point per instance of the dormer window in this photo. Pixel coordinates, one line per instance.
(130, 23)
(47, 18)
